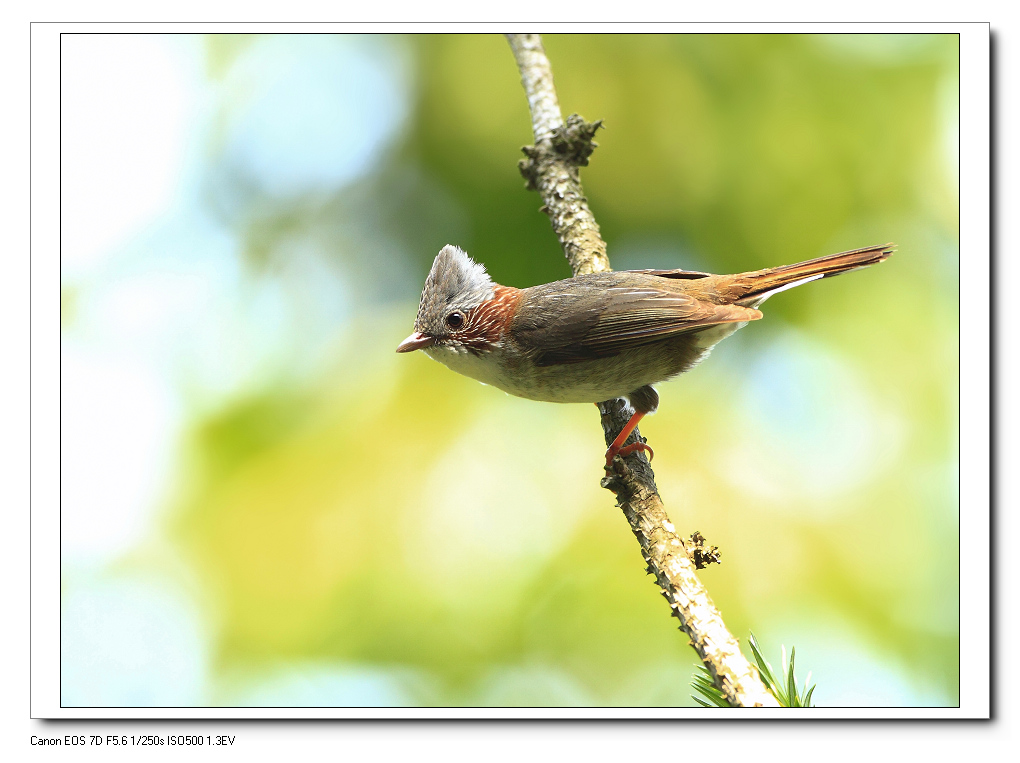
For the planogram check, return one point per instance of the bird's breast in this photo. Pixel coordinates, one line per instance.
(479, 364)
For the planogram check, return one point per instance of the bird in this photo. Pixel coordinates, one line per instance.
(599, 336)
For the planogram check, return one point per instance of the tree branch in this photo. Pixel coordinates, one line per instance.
(551, 168)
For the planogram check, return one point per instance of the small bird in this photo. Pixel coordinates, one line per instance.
(598, 336)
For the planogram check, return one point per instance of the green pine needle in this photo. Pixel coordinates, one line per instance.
(785, 692)
(703, 684)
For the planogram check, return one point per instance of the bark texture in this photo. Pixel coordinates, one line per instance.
(552, 167)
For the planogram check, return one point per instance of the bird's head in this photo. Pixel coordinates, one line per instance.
(459, 309)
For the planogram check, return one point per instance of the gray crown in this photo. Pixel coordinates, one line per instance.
(456, 282)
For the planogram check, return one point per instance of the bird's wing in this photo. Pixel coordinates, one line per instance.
(588, 321)
(687, 274)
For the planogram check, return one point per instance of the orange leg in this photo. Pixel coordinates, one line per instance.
(617, 449)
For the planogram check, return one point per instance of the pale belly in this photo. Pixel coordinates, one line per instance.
(590, 381)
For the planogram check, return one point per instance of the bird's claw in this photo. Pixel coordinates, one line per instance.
(627, 450)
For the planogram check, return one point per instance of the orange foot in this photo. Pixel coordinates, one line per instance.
(618, 448)
(627, 450)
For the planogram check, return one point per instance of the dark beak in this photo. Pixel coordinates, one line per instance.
(417, 341)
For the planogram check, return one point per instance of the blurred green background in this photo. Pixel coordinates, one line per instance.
(264, 505)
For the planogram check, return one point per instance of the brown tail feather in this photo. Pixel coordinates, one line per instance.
(761, 283)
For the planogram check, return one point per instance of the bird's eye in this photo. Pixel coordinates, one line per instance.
(455, 320)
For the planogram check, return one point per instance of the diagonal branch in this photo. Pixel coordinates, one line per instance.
(551, 168)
